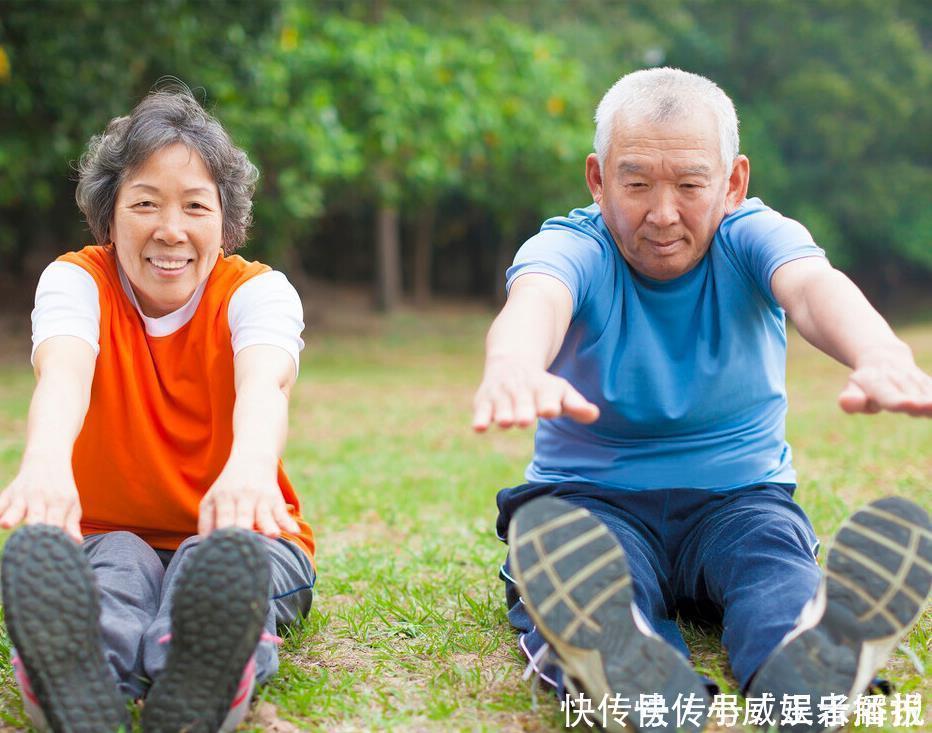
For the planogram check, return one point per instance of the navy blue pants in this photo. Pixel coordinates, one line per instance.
(744, 559)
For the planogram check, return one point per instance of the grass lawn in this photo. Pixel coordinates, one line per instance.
(409, 629)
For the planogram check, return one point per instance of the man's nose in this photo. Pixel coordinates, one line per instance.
(171, 227)
(663, 209)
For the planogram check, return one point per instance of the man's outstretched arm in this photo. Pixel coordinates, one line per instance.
(523, 341)
(834, 316)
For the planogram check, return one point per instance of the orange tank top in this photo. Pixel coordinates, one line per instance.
(160, 423)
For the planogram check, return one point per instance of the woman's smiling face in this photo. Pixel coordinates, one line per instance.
(167, 228)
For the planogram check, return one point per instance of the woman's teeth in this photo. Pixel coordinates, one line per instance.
(168, 264)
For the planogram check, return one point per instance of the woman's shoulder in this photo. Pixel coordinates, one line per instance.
(97, 260)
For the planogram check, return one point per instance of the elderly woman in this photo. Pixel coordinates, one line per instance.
(163, 535)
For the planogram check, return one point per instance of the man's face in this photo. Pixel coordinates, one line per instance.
(664, 190)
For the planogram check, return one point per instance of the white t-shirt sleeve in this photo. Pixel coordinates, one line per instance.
(267, 310)
(67, 304)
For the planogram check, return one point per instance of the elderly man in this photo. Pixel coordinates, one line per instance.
(649, 330)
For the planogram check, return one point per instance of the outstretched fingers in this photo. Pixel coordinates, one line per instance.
(520, 402)
(12, 510)
(578, 407)
(871, 390)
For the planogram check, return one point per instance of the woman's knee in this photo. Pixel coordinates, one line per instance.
(120, 548)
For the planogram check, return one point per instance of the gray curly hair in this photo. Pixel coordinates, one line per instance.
(165, 117)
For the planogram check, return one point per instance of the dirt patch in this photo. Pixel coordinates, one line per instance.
(371, 529)
(334, 654)
(265, 715)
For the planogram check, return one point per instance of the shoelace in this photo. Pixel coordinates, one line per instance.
(913, 657)
(539, 659)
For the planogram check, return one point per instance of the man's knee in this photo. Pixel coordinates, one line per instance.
(765, 531)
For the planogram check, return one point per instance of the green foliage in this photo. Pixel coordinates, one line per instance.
(71, 67)
(482, 110)
(833, 97)
(533, 109)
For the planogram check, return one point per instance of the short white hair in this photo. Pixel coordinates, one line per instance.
(663, 94)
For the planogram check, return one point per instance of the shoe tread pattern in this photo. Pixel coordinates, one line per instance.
(574, 580)
(880, 567)
(218, 611)
(878, 575)
(52, 611)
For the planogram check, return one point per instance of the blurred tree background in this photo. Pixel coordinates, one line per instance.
(414, 145)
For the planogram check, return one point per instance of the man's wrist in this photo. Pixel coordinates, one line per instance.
(893, 352)
(495, 358)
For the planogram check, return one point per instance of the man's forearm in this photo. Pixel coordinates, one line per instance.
(838, 319)
(531, 326)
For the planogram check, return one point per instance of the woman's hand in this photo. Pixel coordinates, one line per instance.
(246, 494)
(42, 493)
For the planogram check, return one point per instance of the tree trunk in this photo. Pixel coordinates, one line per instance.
(388, 258)
(423, 252)
(294, 269)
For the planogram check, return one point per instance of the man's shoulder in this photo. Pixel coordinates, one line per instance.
(586, 221)
(751, 213)
(756, 224)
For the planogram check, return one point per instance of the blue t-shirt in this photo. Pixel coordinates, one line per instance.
(689, 373)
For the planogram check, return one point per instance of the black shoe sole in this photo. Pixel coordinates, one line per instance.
(877, 577)
(52, 610)
(574, 581)
(218, 611)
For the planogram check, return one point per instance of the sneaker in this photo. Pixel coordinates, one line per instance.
(574, 581)
(877, 577)
(52, 609)
(218, 611)
(239, 708)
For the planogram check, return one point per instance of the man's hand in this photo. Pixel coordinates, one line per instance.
(885, 381)
(42, 493)
(513, 394)
(245, 497)
(834, 316)
(522, 342)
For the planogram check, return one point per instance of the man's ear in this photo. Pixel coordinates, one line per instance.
(594, 177)
(738, 183)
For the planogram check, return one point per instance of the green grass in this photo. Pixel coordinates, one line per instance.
(409, 630)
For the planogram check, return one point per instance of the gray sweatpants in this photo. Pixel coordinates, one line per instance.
(137, 583)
